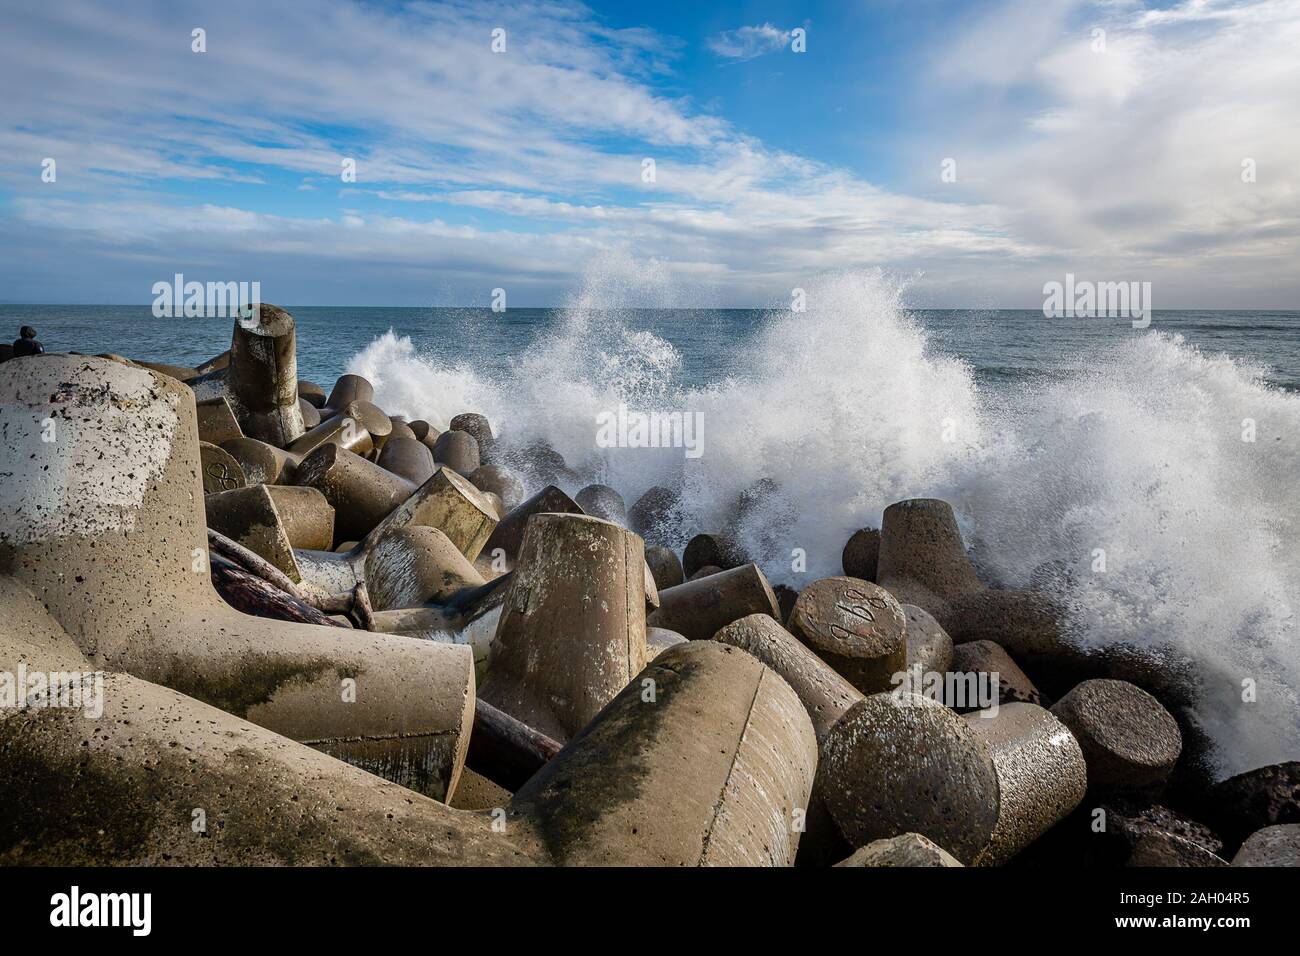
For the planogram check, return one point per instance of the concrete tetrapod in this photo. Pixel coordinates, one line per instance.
(310, 413)
(221, 472)
(349, 388)
(446, 501)
(249, 516)
(712, 550)
(501, 481)
(572, 628)
(856, 627)
(928, 645)
(923, 561)
(122, 565)
(123, 788)
(981, 788)
(653, 514)
(1130, 741)
(262, 463)
(921, 558)
(308, 518)
(509, 534)
(860, 554)
(824, 694)
(910, 849)
(665, 567)
(344, 429)
(658, 640)
(217, 422)
(602, 501)
(1041, 775)
(415, 565)
(698, 609)
(900, 763)
(703, 761)
(457, 450)
(262, 379)
(408, 458)
(362, 493)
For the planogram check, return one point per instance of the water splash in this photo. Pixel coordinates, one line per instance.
(834, 413)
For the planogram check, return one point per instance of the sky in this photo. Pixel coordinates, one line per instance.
(975, 150)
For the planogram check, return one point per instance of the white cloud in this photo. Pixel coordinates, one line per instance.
(1120, 164)
(746, 43)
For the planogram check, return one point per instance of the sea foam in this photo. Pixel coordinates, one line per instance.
(1175, 534)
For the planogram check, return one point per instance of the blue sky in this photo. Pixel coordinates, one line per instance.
(522, 169)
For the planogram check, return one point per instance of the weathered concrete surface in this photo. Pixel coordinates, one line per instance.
(262, 379)
(217, 422)
(658, 640)
(572, 629)
(105, 526)
(856, 627)
(221, 472)
(501, 481)
(476, 425)
(1041, 775)
(362, 493)
(509, 534)
(249, 516)
(901, 763)
(261, 463)
(710, 772)
(860, 555)
(404, 456)
(921, 557)
(909, 849)
(310, 413)
(986, 657)
(1278, 845)
(665, 566)
(450, 503)
(653, 514)
(350, 388)
(416, 565)
(824, 693)
(311, 393)
(602, 501)
(307, 517)
(928, 645)
(699, 609)
(342, 428)
(1129, 740)
(719, 551)
(457, 450)
(124, 789)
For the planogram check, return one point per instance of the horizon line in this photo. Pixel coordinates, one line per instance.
(554, 308)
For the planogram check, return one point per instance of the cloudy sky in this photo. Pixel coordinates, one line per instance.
(1107, 138)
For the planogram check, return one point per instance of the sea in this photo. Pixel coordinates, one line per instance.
(1159, 465)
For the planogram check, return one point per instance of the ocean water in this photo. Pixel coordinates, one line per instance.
(1003, 347)
(1172, 453)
